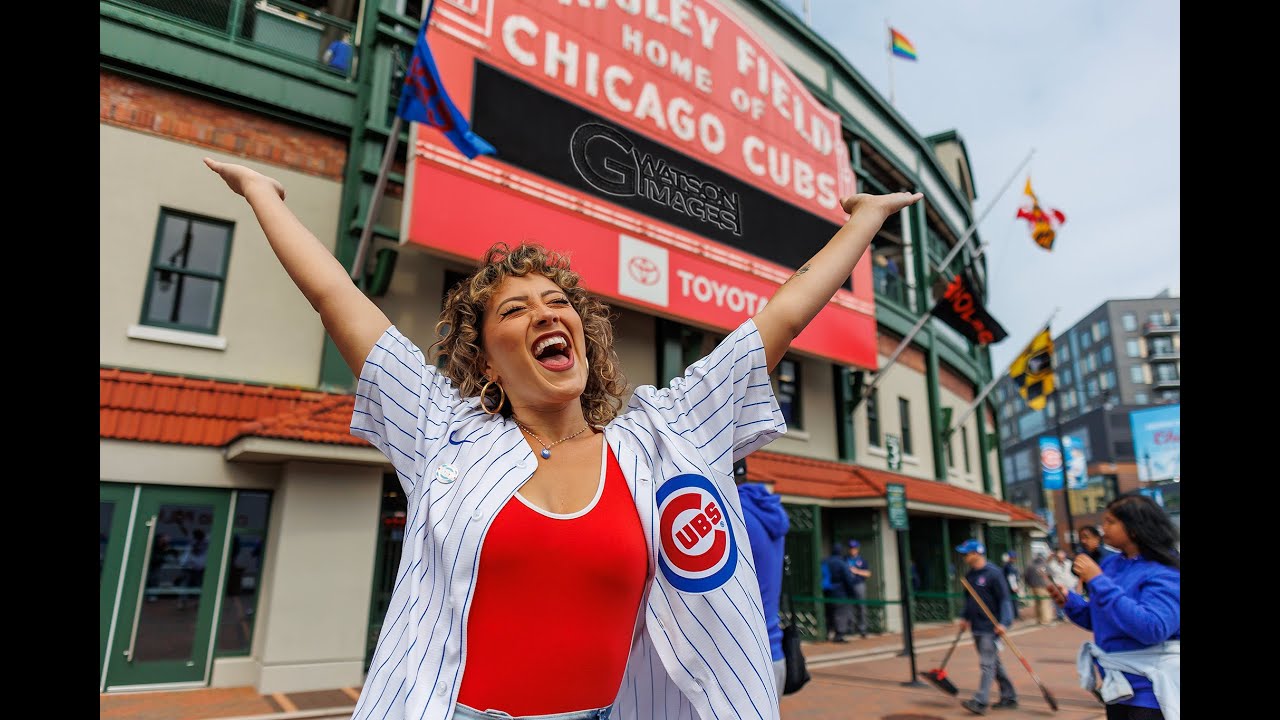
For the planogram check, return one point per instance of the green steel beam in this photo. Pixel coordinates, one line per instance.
(935, 404)
(380, 42)
(167, 49)
(983, 448)
(846, 442)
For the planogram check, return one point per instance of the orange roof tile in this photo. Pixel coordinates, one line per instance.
(829, 480)
(147, 407)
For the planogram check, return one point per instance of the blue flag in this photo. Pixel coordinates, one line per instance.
(424, 100)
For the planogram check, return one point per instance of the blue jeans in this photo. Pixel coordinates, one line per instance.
(989, 660)
(462, 712)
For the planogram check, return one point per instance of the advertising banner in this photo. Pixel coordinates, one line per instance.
(1157, 442)
(682, 166)
(1076, 460)
(1051, 463)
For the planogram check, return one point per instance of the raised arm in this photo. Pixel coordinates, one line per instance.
(801, 297)
(350, 318)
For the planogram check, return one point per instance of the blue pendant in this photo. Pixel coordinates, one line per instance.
(545, 453)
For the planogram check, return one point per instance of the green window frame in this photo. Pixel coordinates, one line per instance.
(191, 253)
(245, 562)
(786, 387)
(873, 418)
(904, 419)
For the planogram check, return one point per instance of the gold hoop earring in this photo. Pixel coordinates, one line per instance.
(502, 398)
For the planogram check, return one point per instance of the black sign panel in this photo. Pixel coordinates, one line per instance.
(960, 308)
(541, 133)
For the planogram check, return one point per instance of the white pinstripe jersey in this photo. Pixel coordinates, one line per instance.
(700, 647)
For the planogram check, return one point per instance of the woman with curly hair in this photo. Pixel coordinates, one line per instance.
(1134, 610)
(564, 557)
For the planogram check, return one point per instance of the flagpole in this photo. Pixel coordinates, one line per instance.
(990, 206)
(1066, 480)
(889, 56)
(955, 249)
(380, 185)
(991, 385)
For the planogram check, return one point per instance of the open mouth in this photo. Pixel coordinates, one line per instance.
(553, 353)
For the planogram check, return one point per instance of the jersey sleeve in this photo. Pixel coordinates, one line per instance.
(724, 403)
(403, 404)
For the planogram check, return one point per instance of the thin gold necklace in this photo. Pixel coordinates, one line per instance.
(546, 449)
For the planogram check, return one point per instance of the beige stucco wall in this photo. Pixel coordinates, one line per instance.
(272, 334)
(816, 436)
(313, 611)
(634, 341)
(183, 465)
(956, 475)
(899, 381)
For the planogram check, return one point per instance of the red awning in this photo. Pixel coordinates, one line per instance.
(840, 483)
(147, 407)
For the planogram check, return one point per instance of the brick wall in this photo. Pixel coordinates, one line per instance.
(129, 103)
(955, 382)
(912, 357)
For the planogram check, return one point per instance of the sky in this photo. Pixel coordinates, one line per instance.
(1092, 87)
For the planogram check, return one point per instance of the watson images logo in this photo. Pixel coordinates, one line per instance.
(610, 163)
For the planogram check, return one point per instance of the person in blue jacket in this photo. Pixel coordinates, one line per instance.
(988, 583)
(767, 526)
(1134, 611)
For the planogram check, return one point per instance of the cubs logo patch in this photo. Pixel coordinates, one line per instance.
(697, 552)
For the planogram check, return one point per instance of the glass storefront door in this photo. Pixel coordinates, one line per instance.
(158, 601)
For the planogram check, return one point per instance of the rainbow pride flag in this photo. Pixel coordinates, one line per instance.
(902, 47)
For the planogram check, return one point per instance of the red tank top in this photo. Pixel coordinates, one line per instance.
(555, 604)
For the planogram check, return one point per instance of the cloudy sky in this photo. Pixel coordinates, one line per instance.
(1092, 87)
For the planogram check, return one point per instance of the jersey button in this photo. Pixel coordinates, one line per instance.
(477, 515)
(441, 689)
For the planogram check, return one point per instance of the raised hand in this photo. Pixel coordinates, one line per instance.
(240, 178)
(1085, 567)
(1056, 592)
(885, 205)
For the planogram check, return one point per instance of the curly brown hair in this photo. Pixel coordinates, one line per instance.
(460, 323)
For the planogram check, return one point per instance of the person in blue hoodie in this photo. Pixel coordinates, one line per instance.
(1134, 610)
(767, 526)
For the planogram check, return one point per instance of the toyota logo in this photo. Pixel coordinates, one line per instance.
(644, 271)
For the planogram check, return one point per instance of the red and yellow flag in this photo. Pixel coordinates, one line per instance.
(1043, 222)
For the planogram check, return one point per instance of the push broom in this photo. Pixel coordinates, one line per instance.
(938, 676)
(1048, 696)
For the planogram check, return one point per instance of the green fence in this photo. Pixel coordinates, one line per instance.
(926, 607)
(279, 26)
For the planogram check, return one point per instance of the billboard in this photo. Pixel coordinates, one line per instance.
(1051, 463)
(1077, 462)
(662, 145)
(1157, 442)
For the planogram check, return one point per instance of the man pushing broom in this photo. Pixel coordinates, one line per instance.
(988, 582)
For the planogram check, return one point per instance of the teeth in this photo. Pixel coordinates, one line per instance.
(557, 340)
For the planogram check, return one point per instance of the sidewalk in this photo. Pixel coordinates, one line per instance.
(862, 678)
(869, 683)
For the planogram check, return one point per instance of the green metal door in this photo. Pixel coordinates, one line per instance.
(115, 509)
(159, 630)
